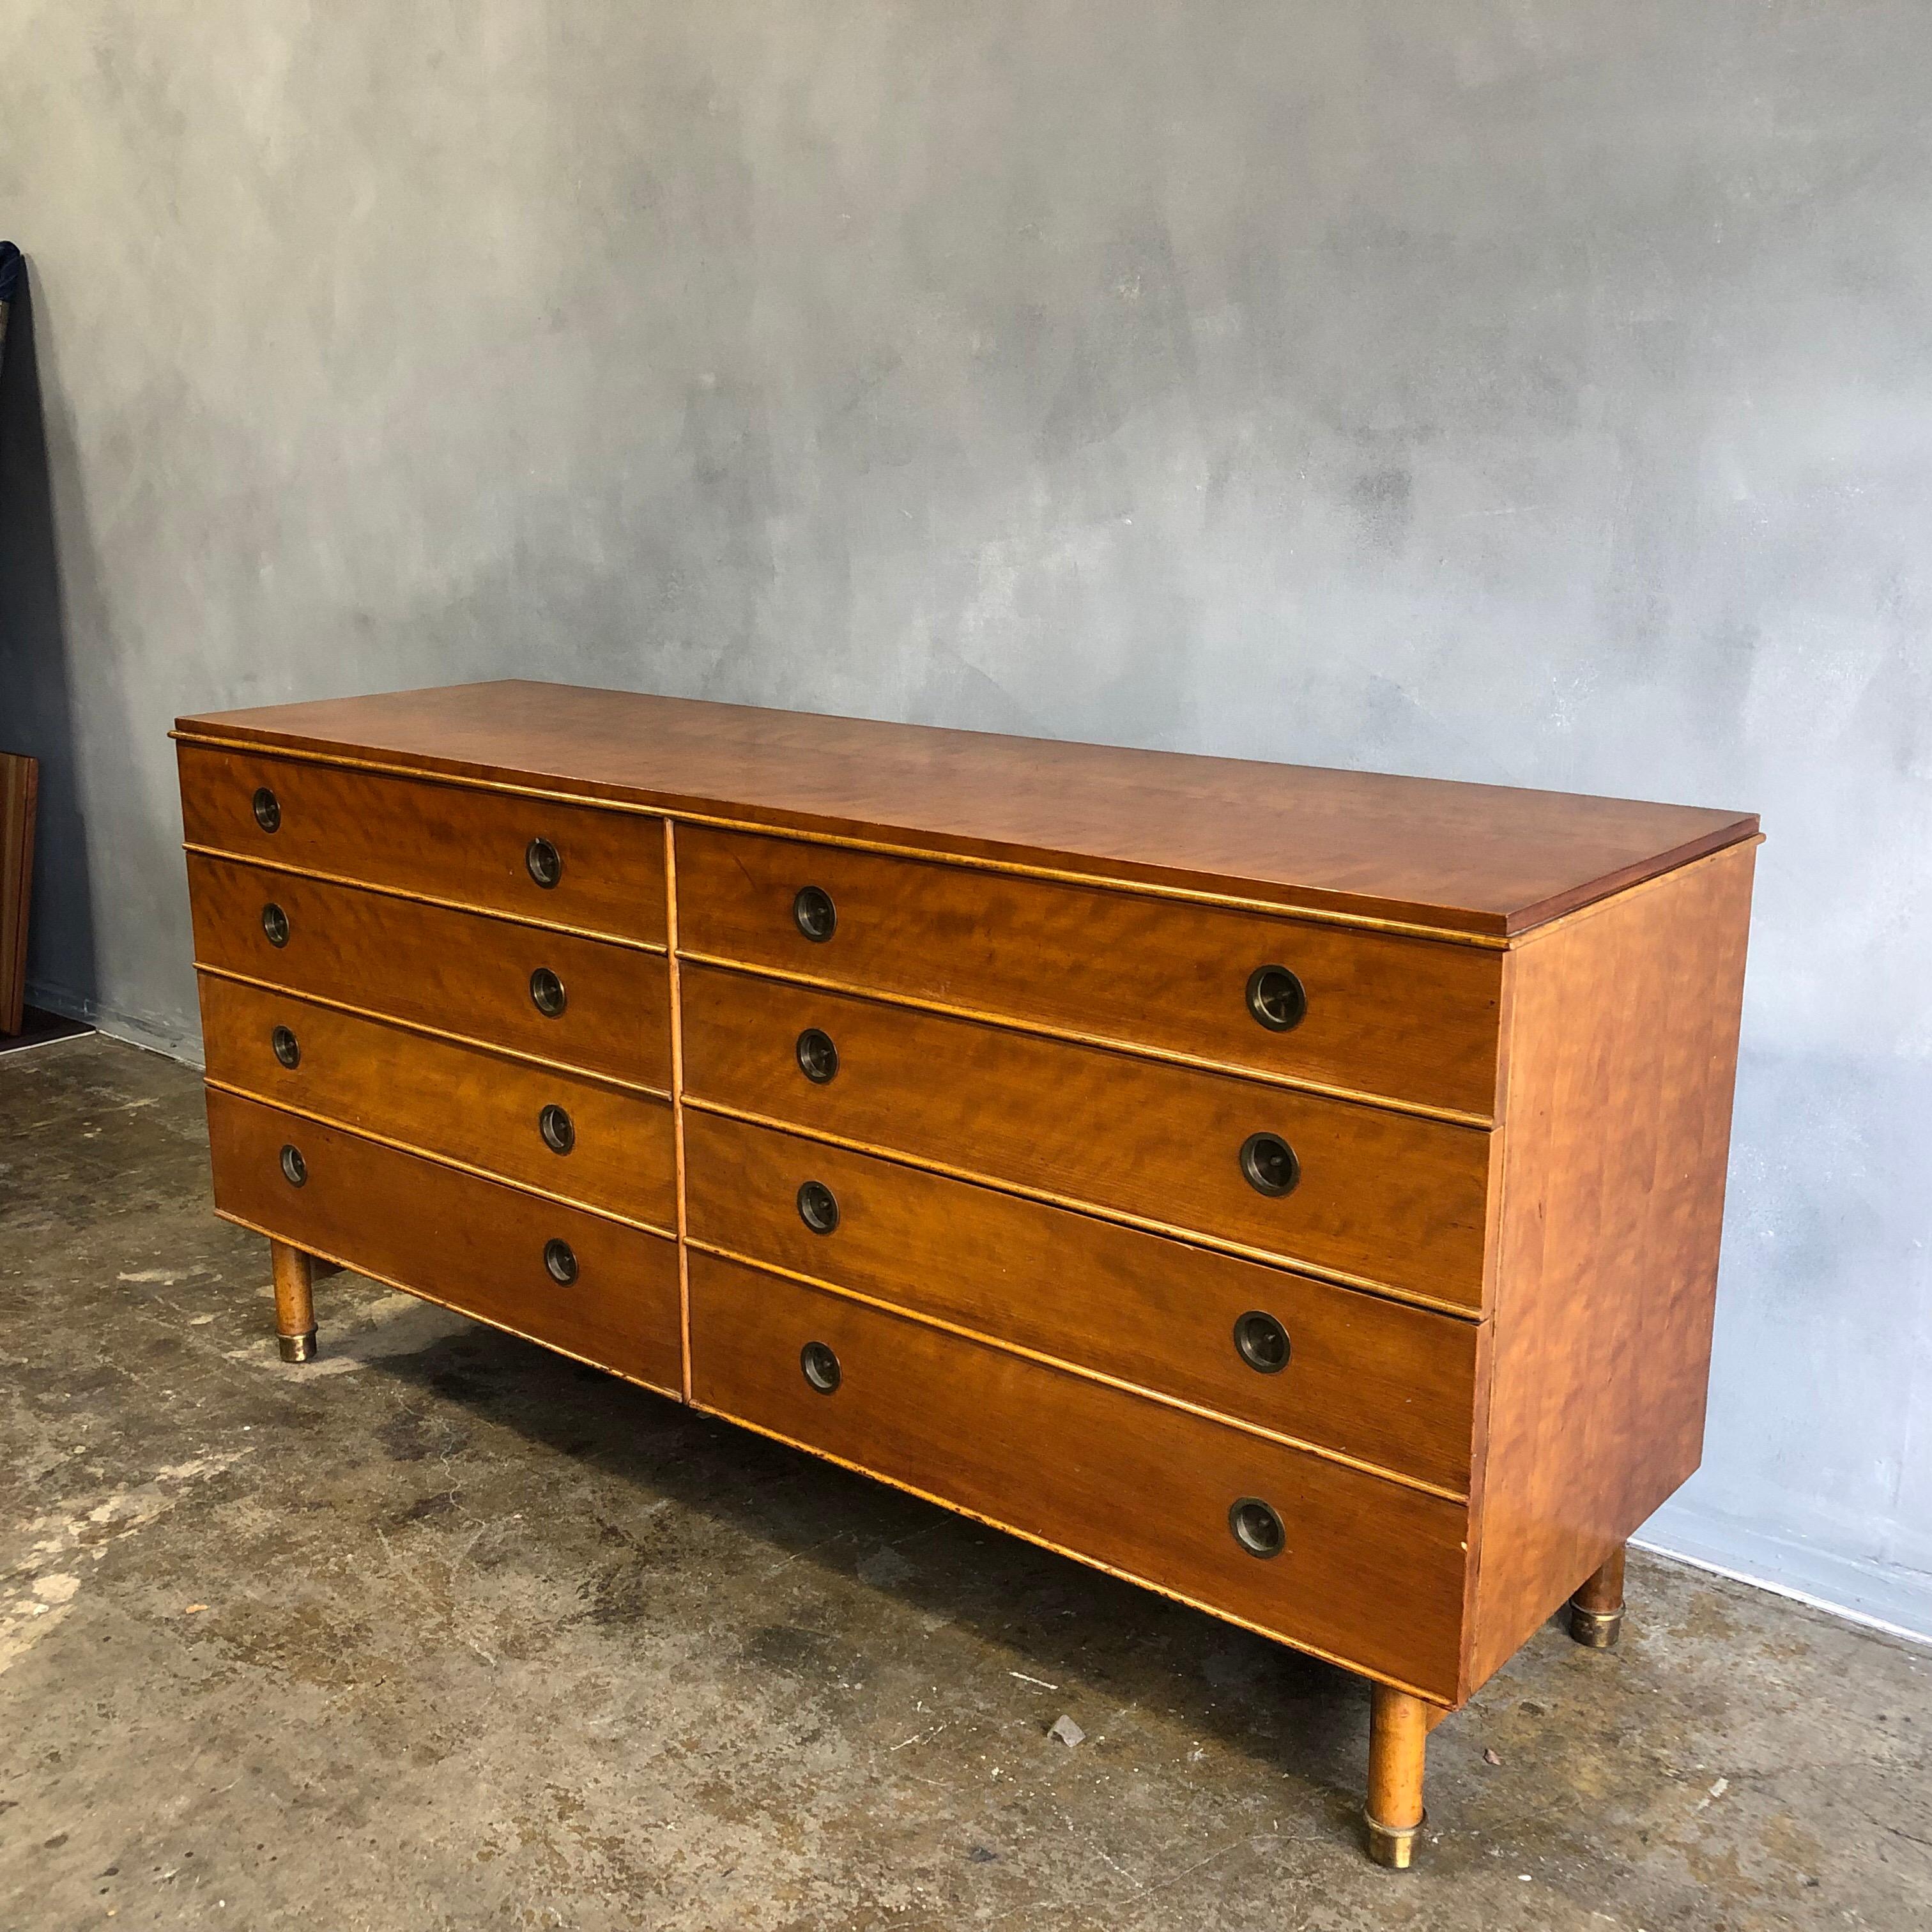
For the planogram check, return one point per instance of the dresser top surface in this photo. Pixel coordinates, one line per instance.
(1487, 860)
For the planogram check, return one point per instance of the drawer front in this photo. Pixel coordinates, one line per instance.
(1371, 1379)
(1416, 1020)
(604, 1147)
(461, 972)
(1370, 1573)
(454, 1237)
(446, 841)
(1381, 1196)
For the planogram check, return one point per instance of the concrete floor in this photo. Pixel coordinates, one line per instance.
(442, 1631)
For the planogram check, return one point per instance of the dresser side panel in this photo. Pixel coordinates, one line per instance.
(1621, 1061)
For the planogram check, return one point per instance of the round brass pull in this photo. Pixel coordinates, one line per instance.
(1276, 998)
(820, 1366)
(816, 916)
(560, 1260)
(1262, 1341)
(268, 809)
(543, 862)
(547, 993)
(294, 1169)
(818, 1057)
(817, 1206)
(1268, 1164)
(558, 1129)
(1257, 1527)
(287, 1047)
(274, 924)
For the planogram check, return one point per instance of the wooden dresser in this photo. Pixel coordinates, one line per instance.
(1296, 1191)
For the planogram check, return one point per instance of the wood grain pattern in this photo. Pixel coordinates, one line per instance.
(442, 842)
(464, 973)
(1383, 1196)
(458, 1103)
(453, 1237)
(1366, 1378)
(1410, 1018)
(1477, 858)
(1371, 1573)
(1622, 1055)
(1398, 1748)
(20, 788)
(294, 1275)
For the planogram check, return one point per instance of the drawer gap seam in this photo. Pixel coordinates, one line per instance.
(623, 943)
(1101, 1043)
(1362, 1466)
(1187, 1237)
(595, 1074)
(443, 1160)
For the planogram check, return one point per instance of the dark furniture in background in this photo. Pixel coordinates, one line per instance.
(19, 777)
(19, 784)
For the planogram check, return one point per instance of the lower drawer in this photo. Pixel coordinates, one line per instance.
(1367, 1572)
(1373, 1379)
(562, 1132)
(479, 1247)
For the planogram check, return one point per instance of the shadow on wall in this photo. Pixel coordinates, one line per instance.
(36, 700)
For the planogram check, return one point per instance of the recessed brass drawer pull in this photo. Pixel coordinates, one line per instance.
(818, 1057)
(268, 809)
(1269, 1165)
(1257, 1526)
(816, 916)
(547, 993)
(275, 924)
(820, 1366)
(294, 1169)
(558, 1129)
(560, 1259)
(543, 862)
(1276, 998)
(1262, 1342)
(287, 1047)
(817, 1206)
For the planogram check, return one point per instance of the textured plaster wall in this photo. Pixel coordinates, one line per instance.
(1537, 392)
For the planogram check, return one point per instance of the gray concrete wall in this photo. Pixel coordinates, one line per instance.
(1540, 393)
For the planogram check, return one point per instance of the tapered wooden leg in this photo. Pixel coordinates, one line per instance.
(295, 1302)
(1597, 1610)
(1398, 1728)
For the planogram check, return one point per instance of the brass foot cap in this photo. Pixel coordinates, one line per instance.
(1596, 1630)
(1394, 1845)
(297, 1347)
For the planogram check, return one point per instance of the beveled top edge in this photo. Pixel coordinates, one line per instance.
(1475, 861)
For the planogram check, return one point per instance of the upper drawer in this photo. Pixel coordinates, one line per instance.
(440, 842)
(461, 972)
(1415, 1020)
(565, 1134)
(1379, 1195)
(1359, 1373)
